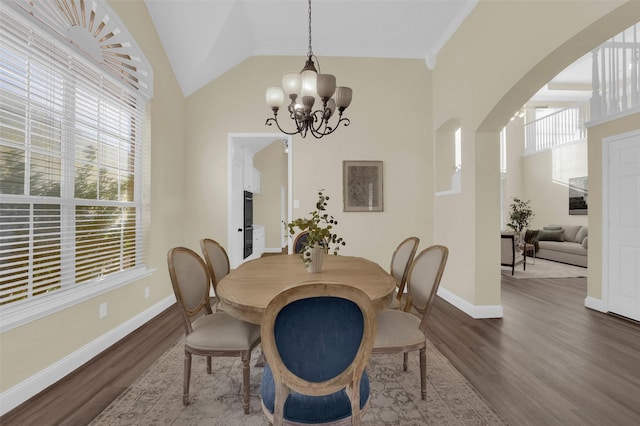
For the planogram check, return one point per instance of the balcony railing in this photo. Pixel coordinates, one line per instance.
(616, 90)
(616, 75)
(560, 128)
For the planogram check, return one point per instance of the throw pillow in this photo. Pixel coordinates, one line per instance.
(551, 235)
(585, 242)
(530, 235)
(582, 232)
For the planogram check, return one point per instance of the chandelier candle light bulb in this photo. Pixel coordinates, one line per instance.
(309, 85)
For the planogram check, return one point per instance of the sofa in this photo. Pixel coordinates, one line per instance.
(563, 243)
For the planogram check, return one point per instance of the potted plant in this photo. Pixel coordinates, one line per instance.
(520, 216)
(321, 237)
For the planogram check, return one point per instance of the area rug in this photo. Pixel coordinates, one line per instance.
(156, 397)
(545, 269)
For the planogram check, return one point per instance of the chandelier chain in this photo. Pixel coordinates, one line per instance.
(310, 53)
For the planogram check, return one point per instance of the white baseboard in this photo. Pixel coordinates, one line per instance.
(24, 390)
(474, 311)
(595, 304)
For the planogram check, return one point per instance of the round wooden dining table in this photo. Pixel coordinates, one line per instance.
(247, 290)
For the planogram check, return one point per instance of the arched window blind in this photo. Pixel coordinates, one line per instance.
(71, 168)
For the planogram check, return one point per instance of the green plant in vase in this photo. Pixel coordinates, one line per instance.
(320, 228)
(520, 216)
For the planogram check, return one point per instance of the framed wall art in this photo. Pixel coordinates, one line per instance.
(362, 186)
(578, 195)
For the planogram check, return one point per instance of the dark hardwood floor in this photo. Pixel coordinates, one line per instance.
(549, 361)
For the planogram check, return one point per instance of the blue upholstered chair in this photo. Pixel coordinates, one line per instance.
(404, 332)
(298, 243)
(317, 338)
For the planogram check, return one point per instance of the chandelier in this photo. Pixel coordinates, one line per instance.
(309, 85)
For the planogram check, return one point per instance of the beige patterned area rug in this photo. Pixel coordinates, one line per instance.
(543, 268)
(156, 397)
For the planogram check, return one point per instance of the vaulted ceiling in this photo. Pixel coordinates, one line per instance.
(205, 38)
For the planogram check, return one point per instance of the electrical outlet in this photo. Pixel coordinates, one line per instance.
(296, 204)
(146, 292)
(103, 310)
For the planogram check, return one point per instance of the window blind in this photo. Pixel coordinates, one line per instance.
(71, 168)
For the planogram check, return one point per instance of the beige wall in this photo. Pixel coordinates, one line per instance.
(31, 348)
(400, 137)
(272, 164)
(596, 135)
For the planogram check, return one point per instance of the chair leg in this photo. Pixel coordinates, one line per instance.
(405, 362)
(246, 358)
(423, 373)
(208, 365)
(187, 378)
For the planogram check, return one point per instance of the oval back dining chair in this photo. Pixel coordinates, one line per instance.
(298, 243)
(400, 263)
(217, 260)
(211, 334)
(317, 338)
(403, 332)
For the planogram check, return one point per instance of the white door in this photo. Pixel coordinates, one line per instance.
(622, 215)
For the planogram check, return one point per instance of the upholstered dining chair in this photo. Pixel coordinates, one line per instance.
(317, 338)
(211, 334)
(400, 263)
(404, 332)
(217, 260)
(298, 243)
(509, 253)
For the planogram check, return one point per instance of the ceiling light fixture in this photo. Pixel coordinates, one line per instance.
(307, 85)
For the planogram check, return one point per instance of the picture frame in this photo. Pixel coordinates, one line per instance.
(362, 186)
(578, 195)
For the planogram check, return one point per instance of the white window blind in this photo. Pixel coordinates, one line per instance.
(71, 168)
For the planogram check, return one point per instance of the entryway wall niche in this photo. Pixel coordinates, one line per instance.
(447, 158)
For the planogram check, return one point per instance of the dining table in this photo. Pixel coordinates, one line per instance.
(247, 290)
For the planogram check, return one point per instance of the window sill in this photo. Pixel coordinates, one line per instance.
(21, 313)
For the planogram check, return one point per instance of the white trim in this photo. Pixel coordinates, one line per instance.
(24, 390)
(474, 311)
(430, 57)
(595, 304)
(20, 313)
